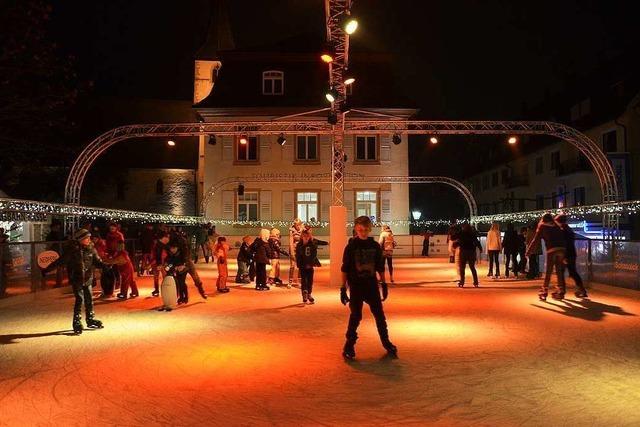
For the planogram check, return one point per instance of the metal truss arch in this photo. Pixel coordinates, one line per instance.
(350, 178)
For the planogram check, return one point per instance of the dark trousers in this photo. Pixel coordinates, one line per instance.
(511, 260)
(425, 249)
(252, 271)
(243, 271)
(534, 266)
(107, 280)
(389, 261)
(181, 285)
(359, 295)
(468, 257)
(554, 259)
(493, 259)
(306, 280)
(573, 273)
(522, 262)
(84, 296)
(191, 269)
(261, 274)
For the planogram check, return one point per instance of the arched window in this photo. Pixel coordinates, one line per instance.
(272, 82)
(159, 187)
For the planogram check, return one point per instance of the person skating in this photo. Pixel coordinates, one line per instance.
(261, 254)
(180, 239)
(425, 242)
(452, 236)
(555, 243)
(80, 258)
(494, 246)
(159, 251)
(571, 255)
(244, 260)
(522, 251)
(295, 233)
(125, 267)
(106, 275)
(534, 256)
(510, 246)
(388, 244)
(175, 264)
(276, 250)
(306, 260)
(221, 252)
(468, 243)
(361, 260)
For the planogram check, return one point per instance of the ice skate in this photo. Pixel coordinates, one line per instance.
(132, 295)
(542, 296)
(289, 285)
(475, 285)
(581, 294)
(311, 299)
(201, 291)
(77, 326)
(94, 324)
(155, 293)
(349, 351)
(305, 297)
(460, 285)
(121, 296)
(391, 349)
(559, 296)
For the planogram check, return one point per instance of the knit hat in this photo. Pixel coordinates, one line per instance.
(81, 234)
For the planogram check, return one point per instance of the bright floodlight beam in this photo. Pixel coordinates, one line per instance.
(512, 140)
(349, 80)
(171, 143)
(331, 95)
(349, 24)
(433, 140)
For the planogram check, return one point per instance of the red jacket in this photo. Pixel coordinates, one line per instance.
(113, 242)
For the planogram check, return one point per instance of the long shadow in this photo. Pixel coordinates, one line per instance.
(275, 309)
(585, 309)
(11, 338)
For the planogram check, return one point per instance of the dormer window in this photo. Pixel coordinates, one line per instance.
(272, 83)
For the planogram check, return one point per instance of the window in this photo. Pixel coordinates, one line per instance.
(539, 165)
(159, 187)
(273, 83)
(307, 206)
(367, 204)
(540, 201)
(494, 179)
(610, 141)
(306, 148)
(579, 196)
(555, 160)
(248, 206)
(366, 148)
(247, 152)
(485, 182)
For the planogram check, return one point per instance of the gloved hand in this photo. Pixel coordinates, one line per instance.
(385, 290)
(344, 298)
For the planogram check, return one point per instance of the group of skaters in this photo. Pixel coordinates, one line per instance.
(521, 250)
(167, 252)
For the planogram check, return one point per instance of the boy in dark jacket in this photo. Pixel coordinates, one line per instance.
(175, 264)
(261, 255)
(571, 255)
(244, 259)
(510, 246)
(555, 243)
(80, 258)
(306, 260)
(468, 243)
(361, 260)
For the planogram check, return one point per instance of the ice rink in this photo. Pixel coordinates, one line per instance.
(490, 356)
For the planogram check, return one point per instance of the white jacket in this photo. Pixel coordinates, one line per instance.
(494, 241)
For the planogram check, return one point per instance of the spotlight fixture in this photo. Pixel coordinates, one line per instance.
(349, 24)
(349, 80)
(331, 95)
(281, 139)
(244, 140)
(396, 138)
(433, 140)
(212, 140)
(332, 118)
(328, 53)
(171, 143)
(512, 140)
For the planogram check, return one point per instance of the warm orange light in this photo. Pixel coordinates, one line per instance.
(326, 58)
(513, 140)
(243, 140)
(433, 140)
(171, 143)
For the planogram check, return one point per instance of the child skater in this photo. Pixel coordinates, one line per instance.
(276, 250)
(261, 254)
(175, 264)
(361, 260)
(221, 251)
(306, 259)
(244, 260)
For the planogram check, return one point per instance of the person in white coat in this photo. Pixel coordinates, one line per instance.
(387, 244)
(494, 246)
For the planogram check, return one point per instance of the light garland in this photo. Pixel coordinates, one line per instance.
(629, 207)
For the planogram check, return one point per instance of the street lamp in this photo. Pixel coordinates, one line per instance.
(416, 215)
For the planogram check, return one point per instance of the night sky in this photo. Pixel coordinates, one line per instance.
(454, 59)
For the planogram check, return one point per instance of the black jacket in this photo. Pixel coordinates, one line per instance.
(80, 262)
(510, 242)
(307, 255)
(468, 241)
(261, 251)
(361, 260)
(244, 254)
(275, 248)
(552, 235)
(174, 260)
(570, 240)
